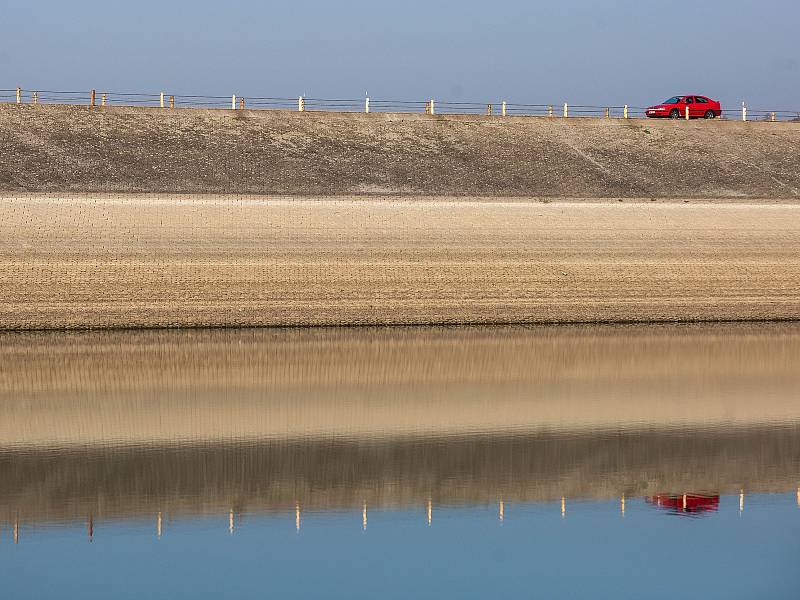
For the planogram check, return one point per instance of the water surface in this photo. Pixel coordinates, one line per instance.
(603, 461)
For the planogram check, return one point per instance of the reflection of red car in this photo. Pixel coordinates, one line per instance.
(686, 503)
(675, 108)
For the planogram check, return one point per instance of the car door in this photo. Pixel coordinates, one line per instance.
(702, 105)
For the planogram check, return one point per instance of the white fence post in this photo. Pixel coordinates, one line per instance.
(433, 112)
(566, 110)
(366, 105)
(301, 104)
(625, 111)
(503, 109)
(162, 99)
(103, 98)
(19, 95)
(233, 102)
(744, 112)
(687, 112)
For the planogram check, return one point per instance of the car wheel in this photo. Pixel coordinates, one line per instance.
(674, 114)
(709, 114)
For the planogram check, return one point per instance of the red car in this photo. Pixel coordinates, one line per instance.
(675, 108)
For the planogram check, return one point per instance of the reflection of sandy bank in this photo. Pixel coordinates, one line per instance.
(124, 424)
(101, 388)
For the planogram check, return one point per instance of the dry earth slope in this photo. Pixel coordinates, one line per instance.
(120, 149)
(132, 217)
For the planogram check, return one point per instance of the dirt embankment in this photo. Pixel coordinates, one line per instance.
(126, 217)
(120, 149)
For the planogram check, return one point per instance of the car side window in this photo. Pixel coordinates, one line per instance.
(701, 100)
(688, 100)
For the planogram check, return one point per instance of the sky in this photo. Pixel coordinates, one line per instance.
(610, 52)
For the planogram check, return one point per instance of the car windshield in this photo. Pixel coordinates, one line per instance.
(673, 100)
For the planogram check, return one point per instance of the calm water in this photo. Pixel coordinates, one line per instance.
(607, 461)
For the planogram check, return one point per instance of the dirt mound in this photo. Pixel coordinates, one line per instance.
(121, 149)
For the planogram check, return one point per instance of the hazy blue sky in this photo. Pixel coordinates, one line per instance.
(584, 52)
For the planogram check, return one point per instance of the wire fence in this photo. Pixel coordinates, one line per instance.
(95, 99)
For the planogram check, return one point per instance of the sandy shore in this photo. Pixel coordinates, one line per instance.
(157, 261)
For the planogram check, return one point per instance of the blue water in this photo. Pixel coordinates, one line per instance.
(593, 551)
(358, 463)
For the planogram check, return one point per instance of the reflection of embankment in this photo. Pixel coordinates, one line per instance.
(101, 388)
(130, 482)
(122, 423)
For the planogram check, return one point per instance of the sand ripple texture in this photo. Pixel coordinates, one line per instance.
(95, 261)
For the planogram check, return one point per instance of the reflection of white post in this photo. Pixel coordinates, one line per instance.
(563, 506)
(297, 516)
(16, 531)
(741, 501)
(622, 504)
(798, 497)
(364, 517)
(430, 511)
(158, 524)
(683, 503)
(230, 522)
(501, 512)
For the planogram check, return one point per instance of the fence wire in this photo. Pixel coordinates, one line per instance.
(489, 108)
